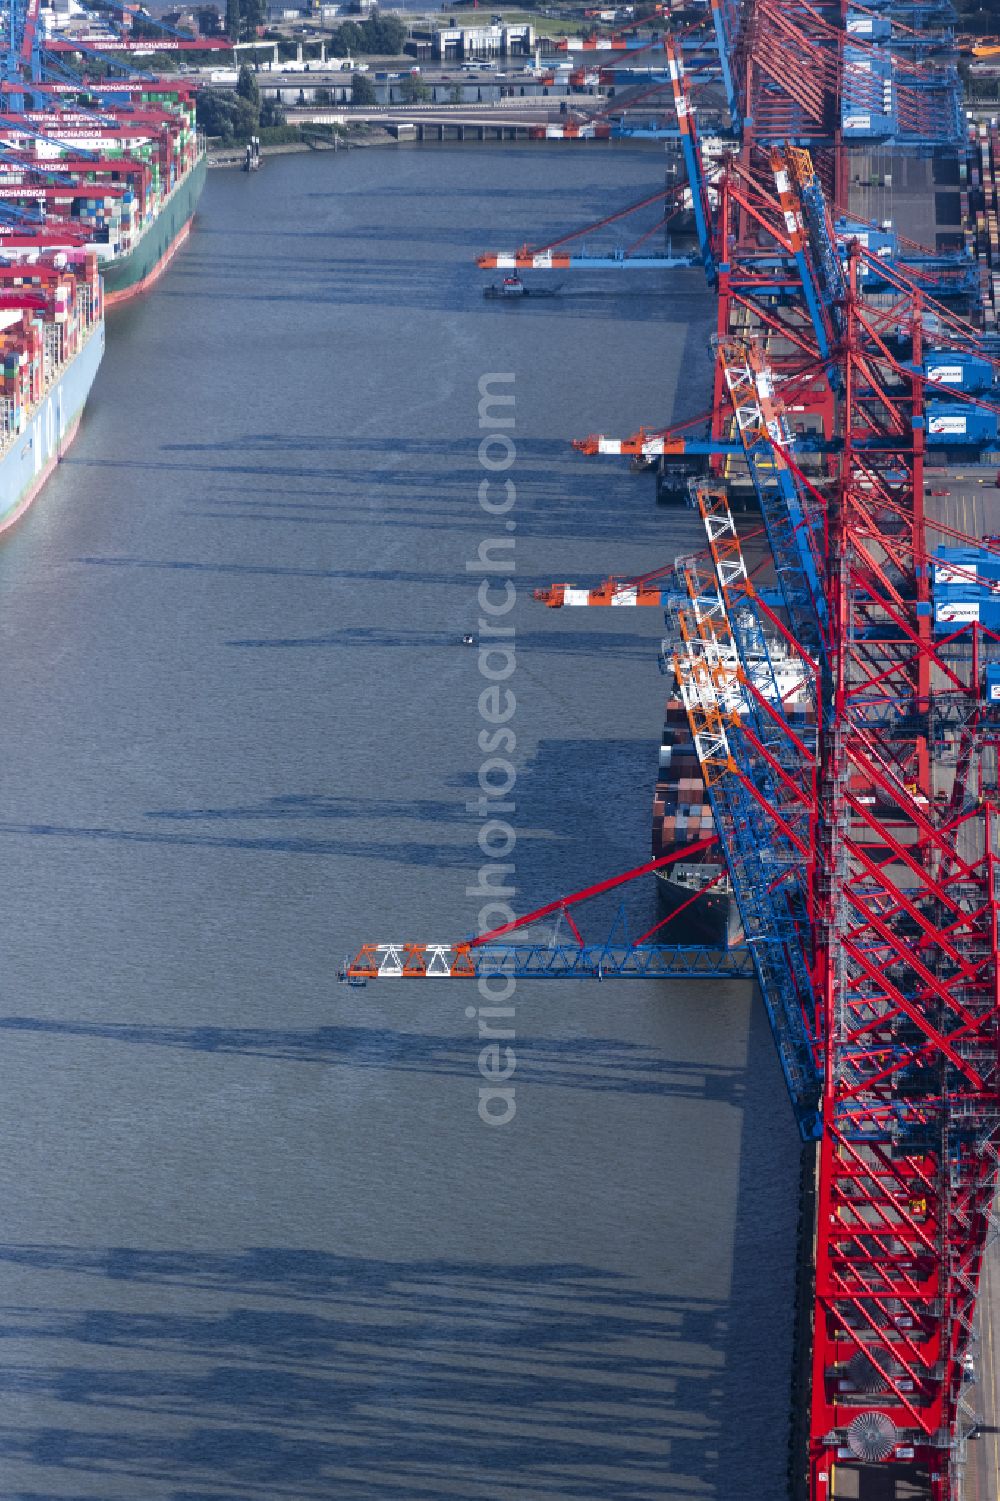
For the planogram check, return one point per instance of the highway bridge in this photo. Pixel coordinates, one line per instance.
(506, 119)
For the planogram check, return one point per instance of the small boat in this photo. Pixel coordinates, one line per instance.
(468, 640)
(513, 287)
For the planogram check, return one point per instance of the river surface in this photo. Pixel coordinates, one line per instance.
(257, 1242)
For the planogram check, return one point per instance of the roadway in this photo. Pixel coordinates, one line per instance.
(503, 112)
(878, 1483)
(982, 1473)
(965, 496)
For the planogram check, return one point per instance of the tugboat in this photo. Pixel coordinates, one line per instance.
(513, 287)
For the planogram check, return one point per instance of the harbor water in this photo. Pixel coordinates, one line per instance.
(257, 1241)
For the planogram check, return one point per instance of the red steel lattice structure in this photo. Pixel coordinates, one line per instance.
(906, 950)
(904, 903)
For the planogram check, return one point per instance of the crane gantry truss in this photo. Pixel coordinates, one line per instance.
(905, 941)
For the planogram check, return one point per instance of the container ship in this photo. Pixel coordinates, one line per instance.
(682, 815)
(125, 180)
(51, 343)
(698, 889)
(96, 198)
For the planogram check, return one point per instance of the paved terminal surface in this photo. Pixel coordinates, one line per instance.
(876, 1483)
(920, 197)
(964, 497)
(982, 1473)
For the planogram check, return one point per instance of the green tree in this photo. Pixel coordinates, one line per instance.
(224, 113)
(383, 34)
(233, 20)
(217, 112)
(346, 40)
(209, 111)
(455, 94)
(271, 113)
(362, 90)
(254, 13)
(413, 90)
(245, 120)
(246, 86)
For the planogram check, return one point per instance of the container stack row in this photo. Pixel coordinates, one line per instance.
(47, 310)
(119, 181)
(983, 236)
(682, 813)
(966, 588)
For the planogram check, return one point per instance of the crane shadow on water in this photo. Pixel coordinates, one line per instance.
(564, 777)
(599, 1064)
(609, 645)
(298, 1373)
(290, 1371)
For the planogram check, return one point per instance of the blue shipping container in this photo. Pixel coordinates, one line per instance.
(950, 424)
(959, 370)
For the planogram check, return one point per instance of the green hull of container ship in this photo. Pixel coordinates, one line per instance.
(134, 272)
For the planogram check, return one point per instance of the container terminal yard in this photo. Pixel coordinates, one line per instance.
(836, 657)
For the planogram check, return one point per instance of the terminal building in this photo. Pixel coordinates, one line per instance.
(465, 43)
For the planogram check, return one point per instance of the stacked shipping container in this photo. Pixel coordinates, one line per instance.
(144, 149)
(984, 238)
(966, 587)
(47, 313)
